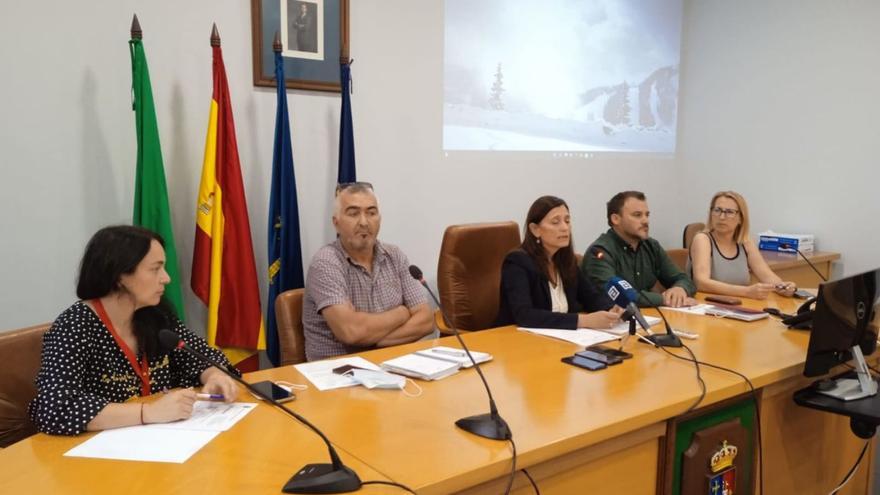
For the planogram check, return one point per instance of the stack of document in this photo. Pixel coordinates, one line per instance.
(455, 355)
(422, 367)
(734, 312)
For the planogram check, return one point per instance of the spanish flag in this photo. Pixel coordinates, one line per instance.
(224, 274)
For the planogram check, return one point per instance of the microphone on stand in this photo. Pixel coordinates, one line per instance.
(786, 245)
(312, 478)
(803, 320)
(668, 339)
(626, 297)
(490, 425)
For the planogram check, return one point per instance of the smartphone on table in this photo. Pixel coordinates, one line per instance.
(609, 351)
(582, 362)
(274, 391)
(347, 368)
(599, 356)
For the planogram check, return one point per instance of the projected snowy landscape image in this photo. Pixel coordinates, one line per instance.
(561, 75)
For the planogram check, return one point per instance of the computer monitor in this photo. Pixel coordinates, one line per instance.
(845, 324)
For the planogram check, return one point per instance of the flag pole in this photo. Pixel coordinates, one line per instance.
(136, 33)
(276, 45)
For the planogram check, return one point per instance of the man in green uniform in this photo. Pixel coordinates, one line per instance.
(626, 251)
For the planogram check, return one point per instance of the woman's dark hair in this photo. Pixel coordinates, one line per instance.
(113, 252)
(564, 258)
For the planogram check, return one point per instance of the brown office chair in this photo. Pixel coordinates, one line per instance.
(690, 230)
(679, 257)
(469, 272)
(20, 354)
(288, 315)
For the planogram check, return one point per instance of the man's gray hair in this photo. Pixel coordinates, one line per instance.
(356, 188)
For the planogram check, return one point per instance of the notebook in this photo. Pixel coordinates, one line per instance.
(454, 355)
(422, 367)
(735, 312)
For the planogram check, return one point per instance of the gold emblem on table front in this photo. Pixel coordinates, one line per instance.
(722, 481)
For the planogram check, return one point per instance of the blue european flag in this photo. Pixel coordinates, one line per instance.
(346, 131)
(285, 250)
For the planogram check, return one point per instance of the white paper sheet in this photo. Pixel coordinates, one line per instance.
(699, 309)
(623, 327)
(165, 442)
(320, 373)
(583, 337)
(139, 443)
(210, 416)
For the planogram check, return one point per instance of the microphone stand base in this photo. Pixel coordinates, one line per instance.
(664, 340)
(323, 478)
(485, 425)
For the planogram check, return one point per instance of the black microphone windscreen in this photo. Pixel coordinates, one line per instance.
(415, 272)
(168, 340)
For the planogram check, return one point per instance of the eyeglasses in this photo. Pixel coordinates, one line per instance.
(724, 212)
(360, 185)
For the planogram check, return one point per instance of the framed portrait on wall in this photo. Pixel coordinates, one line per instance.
(314, 37)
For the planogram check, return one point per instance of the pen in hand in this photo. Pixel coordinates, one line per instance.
(210, 396)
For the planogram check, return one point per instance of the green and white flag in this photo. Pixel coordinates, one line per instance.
(151, 209)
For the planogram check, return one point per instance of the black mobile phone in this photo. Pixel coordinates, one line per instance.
(802, 294)
(346, 368)
(609, 351)
(598, 356)
(585, 363)
(274, 391)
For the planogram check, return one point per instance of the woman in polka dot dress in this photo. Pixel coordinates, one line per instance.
(104, 350)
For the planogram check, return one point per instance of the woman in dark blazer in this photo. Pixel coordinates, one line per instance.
(541, 286)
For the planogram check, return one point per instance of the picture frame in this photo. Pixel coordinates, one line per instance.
(314, 38)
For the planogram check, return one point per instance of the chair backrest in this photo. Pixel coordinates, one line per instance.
(679, 257)
(288, 315)
(469, 271)
(690, 230)
(20, 354)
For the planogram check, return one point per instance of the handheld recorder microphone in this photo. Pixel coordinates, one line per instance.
(668, 339)
(622, 293)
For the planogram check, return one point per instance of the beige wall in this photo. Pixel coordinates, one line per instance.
(776, 102)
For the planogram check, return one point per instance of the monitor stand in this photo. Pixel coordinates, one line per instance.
(847, 389)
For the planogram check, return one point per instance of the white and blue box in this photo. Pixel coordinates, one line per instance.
(773, 241)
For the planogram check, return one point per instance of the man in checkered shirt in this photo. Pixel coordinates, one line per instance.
(359, 293)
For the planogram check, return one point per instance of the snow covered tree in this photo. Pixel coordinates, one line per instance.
(625, 108)
(495, 101)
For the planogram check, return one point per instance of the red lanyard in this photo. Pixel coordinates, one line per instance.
(142, 369)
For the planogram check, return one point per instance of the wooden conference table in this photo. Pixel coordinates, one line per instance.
(576, 431)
